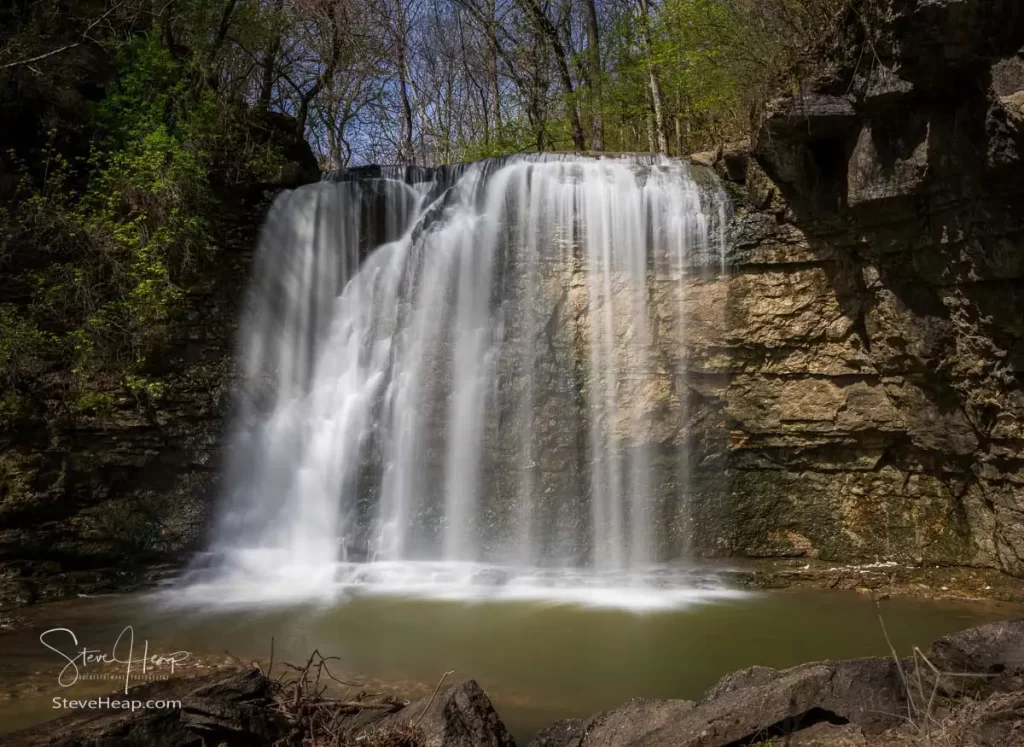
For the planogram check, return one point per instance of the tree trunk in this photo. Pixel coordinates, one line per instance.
(269, 61)
(657, 110)
(223, 28)
(657, 102)
(330, 65)
(594, 74)
(400, 38)
(406, 156)
(333, 139)
(492, 38)
(550, 33)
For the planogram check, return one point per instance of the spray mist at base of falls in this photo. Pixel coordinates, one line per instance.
(455, 386)
(452, 581)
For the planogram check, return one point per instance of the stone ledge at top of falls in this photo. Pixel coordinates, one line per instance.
(702, 171)
(415, 174)
(853, 703)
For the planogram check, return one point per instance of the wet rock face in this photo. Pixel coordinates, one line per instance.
(870, 364)
(87, 505)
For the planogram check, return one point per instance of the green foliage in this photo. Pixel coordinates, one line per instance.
(12, 406)
(91, 402)
(137, 227)
(512, 137)
(123, 227)
(19, 339)
(722, 60)
(716, 62)
(695, 47)
(141, 386)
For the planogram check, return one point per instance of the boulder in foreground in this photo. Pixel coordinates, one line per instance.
(978, 701)
(460, 715)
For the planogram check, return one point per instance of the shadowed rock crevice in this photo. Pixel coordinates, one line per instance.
(791, 725)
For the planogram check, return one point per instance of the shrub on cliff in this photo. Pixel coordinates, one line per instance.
(99, 245)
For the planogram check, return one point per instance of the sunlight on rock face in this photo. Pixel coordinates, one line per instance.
(467, 369)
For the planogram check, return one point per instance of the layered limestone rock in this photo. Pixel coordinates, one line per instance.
(849, 388)
(870, 362)
(90, 500)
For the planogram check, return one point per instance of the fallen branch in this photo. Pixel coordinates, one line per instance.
(432, 696)
(299, 695)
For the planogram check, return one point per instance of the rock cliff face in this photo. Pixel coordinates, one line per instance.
(88, 497)
(872, 351)
(852, 387)
(87, 500)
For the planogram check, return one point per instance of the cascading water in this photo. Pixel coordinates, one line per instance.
(448, 378)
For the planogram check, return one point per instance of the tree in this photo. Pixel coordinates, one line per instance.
(431, 81)
(545, 30)
(594, 75)
(268, 65)
(659, 141)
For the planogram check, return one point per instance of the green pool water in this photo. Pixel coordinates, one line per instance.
(537, 661)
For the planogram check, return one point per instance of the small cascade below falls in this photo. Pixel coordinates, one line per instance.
(468, 377)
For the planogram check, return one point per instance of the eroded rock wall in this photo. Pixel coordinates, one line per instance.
(849, 388)
(89, 500)
(869, 371)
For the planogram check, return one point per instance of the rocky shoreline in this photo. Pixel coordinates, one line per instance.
(966, 689)
(880, 580)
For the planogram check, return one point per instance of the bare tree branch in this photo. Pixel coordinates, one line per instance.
(82, 40)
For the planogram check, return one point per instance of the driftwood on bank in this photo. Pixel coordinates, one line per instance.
(300, 695)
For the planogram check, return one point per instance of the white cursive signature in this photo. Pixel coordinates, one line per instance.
(86, 656)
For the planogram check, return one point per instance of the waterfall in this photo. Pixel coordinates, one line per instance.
(455, 375)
